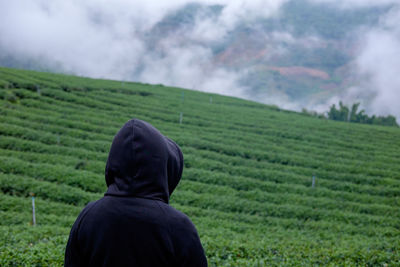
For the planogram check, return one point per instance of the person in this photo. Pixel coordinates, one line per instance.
(133, 224)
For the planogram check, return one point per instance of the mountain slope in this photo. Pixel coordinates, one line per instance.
(247, 181)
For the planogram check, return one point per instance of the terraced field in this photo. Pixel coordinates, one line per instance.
(247, 181)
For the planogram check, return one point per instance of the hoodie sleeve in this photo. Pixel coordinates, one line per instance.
(73, 254)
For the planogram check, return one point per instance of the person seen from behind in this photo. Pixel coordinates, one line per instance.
(133, 224)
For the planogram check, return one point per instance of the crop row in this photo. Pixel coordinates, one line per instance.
(222, 247)
(24, 218)
(348, 161)
(98, 146)
(267, 133)
(270, 146)
(223, 121)
(32, 246)
(209, 145)
(311, 201)
(24, 186)
(236, 222)
(9, 143)
(94, 166)
(9, 203)
(387, 187)
(193, 160)
(18, 185)
(85, 180)
(235, 203)
(141, 86)
(47, 138)
(205, 121)
(289, 195)
(226, 161)
(246, 184)
(267, 175)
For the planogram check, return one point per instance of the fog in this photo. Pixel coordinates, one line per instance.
(377, 67)
(111, 40)
(379, 62)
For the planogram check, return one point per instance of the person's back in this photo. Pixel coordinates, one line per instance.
(133, 225)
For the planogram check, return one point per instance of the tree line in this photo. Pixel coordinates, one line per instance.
(353, 114)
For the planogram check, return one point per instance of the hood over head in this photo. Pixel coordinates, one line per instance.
(143, 163)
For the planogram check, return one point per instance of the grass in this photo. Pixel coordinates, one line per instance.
(246, 183)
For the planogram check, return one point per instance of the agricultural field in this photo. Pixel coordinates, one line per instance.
(247, 183)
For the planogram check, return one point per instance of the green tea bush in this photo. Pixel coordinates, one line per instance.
(247, 181)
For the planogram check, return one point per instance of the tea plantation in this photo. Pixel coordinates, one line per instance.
(247, 182)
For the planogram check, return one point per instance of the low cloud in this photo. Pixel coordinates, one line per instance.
(114, 40)
(355, 3)
(379, 62)
(376, 67)
(189, 67)
(103, 40)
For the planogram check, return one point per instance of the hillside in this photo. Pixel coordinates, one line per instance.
(247, 181)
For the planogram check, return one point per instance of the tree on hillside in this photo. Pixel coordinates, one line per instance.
(353, 112)
(340, 114)
(388, 120)
(343, 113)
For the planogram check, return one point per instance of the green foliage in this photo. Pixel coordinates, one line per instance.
(246, 183)
(343, 113)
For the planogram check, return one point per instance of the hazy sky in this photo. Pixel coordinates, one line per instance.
(107, 39)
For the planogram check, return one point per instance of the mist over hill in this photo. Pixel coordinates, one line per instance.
(295, 54)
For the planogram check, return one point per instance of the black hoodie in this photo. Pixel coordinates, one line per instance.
(133, 225)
